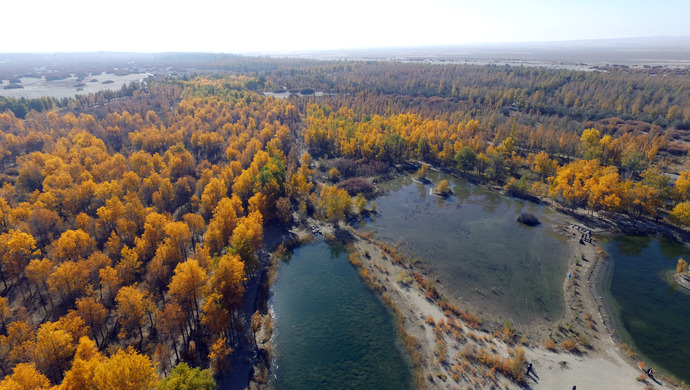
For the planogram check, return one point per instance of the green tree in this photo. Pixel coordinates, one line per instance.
(497, 167)
(466, 159)
(183, 377)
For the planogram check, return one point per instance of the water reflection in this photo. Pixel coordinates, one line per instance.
(472, 243)
(632, 245)
(651, 313)
(330, 330)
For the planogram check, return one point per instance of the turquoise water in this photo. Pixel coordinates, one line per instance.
(472, 243)
(330, 330)
(651, 314)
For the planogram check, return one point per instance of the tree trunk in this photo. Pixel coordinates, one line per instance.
(2, 275)
(177, 356)
(141, 336)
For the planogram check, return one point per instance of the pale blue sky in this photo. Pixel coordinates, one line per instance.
(277, 25)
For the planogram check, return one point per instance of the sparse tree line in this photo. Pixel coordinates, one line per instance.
(607, 174)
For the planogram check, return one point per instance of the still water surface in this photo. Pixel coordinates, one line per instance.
(472, 243)
(330, 330)
(650, 312)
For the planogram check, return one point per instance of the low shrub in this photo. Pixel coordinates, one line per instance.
(528, 219)
(569, 345)
(357, 185)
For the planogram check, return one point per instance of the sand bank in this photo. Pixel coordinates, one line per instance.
(596, 361)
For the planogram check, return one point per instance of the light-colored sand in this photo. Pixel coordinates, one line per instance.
(33, 88)
(602, 366)
(603, 370)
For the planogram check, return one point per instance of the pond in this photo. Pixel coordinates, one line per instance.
(330, 330)
(472, 244)
(650, 313)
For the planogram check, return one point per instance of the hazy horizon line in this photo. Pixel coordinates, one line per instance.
(360, 48)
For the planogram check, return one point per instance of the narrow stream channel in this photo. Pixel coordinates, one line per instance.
(330, 330)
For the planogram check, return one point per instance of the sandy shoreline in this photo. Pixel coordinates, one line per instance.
(683, 280)
(451, 352)
(598, 362)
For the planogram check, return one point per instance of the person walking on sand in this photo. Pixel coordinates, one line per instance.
(529, 368)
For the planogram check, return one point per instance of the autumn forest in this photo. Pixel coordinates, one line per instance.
(131, 223)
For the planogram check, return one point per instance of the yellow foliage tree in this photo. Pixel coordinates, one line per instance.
(247, 239)
(69, 280)
(54, 350)
(422, 171)
(16, 250)
(228, 280)
(186, 284)
(214, 191)
(126, 370)
(591, 144)
(335, 203)
(25, 377)
(154, 234)
(681, 188)
(132, 306)
(216, 317)
(219, 354)
(571, 181)
(83, 371)
(74, 245)
(360, 203)
(443, 187)
(259, 202)
(129, 265)
(680, 215)
(223, 223)
(95, 315)
(542, 165)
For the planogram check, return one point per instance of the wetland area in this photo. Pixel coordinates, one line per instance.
(472, 243)
(256, 250)
(332, 330)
